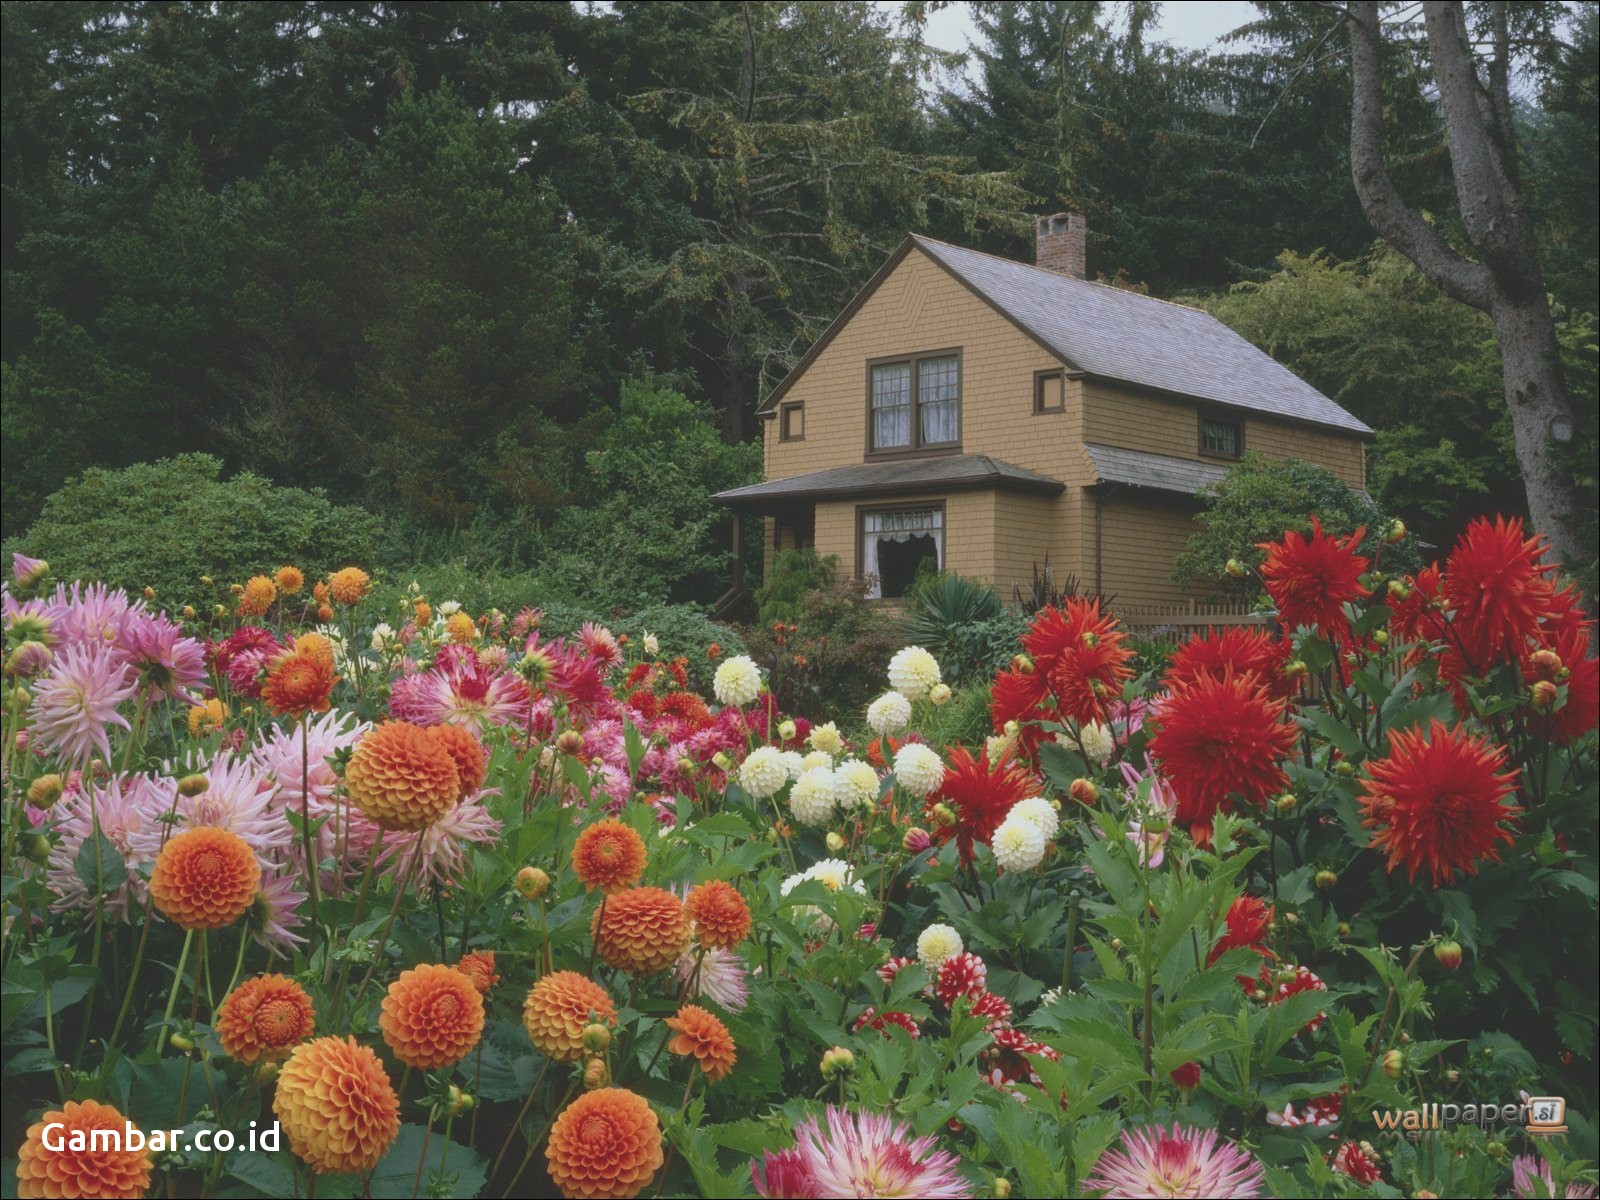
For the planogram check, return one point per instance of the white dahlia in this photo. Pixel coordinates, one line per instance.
(937, 943)
(1018, 844)
(1037, 811)
(913, 672)
(918, 769)
(858, 784)
(889, 713)
(763, 772)
(814, 797)
(737, 681)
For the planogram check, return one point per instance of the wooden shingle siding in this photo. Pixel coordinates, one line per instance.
(1141, 542)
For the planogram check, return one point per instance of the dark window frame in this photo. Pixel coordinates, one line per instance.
(784, 411)
(1219, 419)
(918, 448)
(1039, 407)
(908, 506)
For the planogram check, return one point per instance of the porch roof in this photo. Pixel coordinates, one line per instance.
(1159, 472)
(946, 473)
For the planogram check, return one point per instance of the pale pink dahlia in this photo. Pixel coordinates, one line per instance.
(240, 799)
(1156, 1161)
(76, 700)
(168, 665)
(443, 843)
(124, 806)
(464, 693)
(275, 915)
(722, 978)
(859, 1154)
(91, 614)
(1531, 1177)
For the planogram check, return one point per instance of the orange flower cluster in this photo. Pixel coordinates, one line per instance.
(478, 966)
(257, 596)
(460, 629)
(264, 1019)
(205, 878)
(289, 580)
(67, 1173)
(349, 586)
(608, 855)
(432, 1017)
(720, 915)
(337, 1105)
(207, 717)
(403, 777)
(558, 1007)
(699, 1035)
(641, 930)
(605, 1144)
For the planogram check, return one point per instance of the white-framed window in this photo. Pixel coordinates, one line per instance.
(897, 544)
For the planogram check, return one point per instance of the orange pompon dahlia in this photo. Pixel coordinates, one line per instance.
(720, 915)
(337, 1105)
(641, 930)
(1435, 803)
(257, 596)
(74, 1160)
(1498, 586)
(207, 717)
(205, 878)
(402, 777)
(289, 580)
(699, 1035)
(1221, 737)
(478, 966)
(299, 682)
(432, 1017)
(461, 629)
(608, 855)
(422, 610)
(605, 1145)
(1311, 579)
(558, 1007)
(471, 758)
(349, 586)
(264, 1019)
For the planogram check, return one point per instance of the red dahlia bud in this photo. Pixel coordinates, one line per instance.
(1448, 952)
(1187, 1077)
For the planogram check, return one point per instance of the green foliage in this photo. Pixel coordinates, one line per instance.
(165, 524)
(962, 623)
(793, 573)
(1256, 501)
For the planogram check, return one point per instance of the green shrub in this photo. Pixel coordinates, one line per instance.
(964, 624)
(1256, 501)
(793, 574)
(964, 717)
(165, 524)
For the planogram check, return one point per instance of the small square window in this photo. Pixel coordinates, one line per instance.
(792, 423)
(1224, 439)
(1049, 392)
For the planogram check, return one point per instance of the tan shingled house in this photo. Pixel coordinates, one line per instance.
(986, 414)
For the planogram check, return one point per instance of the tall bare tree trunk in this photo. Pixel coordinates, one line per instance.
(1504, 280)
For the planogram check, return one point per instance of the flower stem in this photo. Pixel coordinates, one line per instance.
(172, 996)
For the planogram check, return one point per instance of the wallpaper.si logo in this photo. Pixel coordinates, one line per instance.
(1540, 1116)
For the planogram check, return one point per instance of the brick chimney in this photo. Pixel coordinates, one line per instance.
(1058, 243)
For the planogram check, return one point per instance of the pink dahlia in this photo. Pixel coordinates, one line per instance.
(443, 843)
(721, 976)
(1531, 1177)
(91, 614)
(275, 915)
(168, 665)
(1157, 1161)
(123, 807)
(858, 1154)
(467, 693)
(240, 799)
(76, 701)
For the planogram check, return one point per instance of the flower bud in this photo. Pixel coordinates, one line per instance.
(1452, 1076)
(939, 694)
(1545, 694)
(1187, 1077)
(1022, 663)
(837, 1061)
(187, 612)
(459, 1101)
(596, 1074)
(686, 766)
(28, 659)
(1380, 637)
(44, 791)
(596, 1037)
(36, 847)
(835, 842)
(1001, 1186)
(1084, 791)
(1327, 879)
(1345, 767)
(1494, 1149)
(533, 882)
(1012, 729)
(1294, 669)
(944, 815)
(1396, 531)
(721, 761)
(181, 1042)
(569, 741)
(1344, 929)
(916, 840)
(1448, 953)
(1399, 590)
(149, 592)
(1116, 943)
(1287, 803)
(219, 610)
(1394, 1063)
(18, 699)
(193, 785)
(1546, 664)
(787, 731)
(1234, 568)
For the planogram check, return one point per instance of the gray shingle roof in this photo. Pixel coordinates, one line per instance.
(1123, 336)
(1138, 468)
(956, 472)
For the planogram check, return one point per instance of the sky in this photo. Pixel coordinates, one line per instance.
(1190, 24)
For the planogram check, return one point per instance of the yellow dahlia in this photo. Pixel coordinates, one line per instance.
(70, 1162)
(402, 777)
(205, 878)
(641, 930)
(289, 580)
(558, 1007)
(349, 585)
(257, 596)
(461, 629)
(337, 1105)
(432, 1017)
(207, 718)
(264, 1018)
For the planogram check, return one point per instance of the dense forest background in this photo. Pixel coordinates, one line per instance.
(515, 276)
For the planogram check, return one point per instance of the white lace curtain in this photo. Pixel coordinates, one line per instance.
(891, 406)
(936, 400)
(900, 525)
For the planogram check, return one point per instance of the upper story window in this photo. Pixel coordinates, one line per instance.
(792, 423)
(1221, 438)
(1049, 392)
(915, 403)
